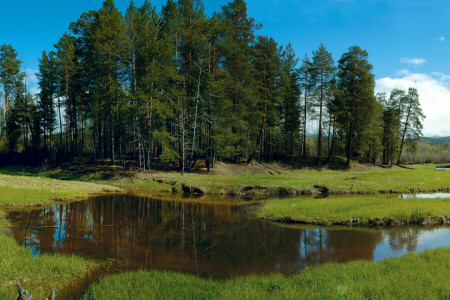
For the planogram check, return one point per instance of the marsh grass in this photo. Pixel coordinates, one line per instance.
(365, 209)
(413, 276)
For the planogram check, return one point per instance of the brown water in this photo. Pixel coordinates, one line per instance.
(211, 240)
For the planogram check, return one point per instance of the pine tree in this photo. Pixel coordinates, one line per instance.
(47, 84)
(290, 107)
(110, 41)
(355, 99)
(10, 74)
(322, 74)
(267, 66)
(411, 118)
(305, 72)
(66, 59)
(237, 37)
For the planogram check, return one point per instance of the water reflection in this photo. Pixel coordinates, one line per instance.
(206, 239)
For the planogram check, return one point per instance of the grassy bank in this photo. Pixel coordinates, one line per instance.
(38, 273)
(24, 190)
(413, 276)
(258, 181)
(288, 182)
(357, 210)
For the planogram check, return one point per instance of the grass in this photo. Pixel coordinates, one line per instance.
(256, 182)
(363, 210)
(413, 276)
(38, 273)
(24, 191)
(423, 178)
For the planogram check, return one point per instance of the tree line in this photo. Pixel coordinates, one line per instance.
(179, 86)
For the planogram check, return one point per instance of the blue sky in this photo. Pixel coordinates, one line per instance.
(408, 41)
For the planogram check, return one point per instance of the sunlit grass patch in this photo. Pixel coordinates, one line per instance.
(23, 190)
(423, 178)
(413, 276)
(361, 209)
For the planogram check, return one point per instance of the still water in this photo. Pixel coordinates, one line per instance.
(210, 240)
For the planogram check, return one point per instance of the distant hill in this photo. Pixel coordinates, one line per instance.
(437, 139)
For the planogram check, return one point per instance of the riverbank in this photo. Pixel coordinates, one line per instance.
(357, 210)
(288, 182)
(412, 276)
(258, 181)
(38, 273)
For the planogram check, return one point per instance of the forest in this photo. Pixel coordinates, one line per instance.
(180, 87)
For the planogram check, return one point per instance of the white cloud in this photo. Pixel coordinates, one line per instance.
(441, 39)
(32, 81)
(434, 93)
(412, 61)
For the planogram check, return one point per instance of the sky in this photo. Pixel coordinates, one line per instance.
(408, 41)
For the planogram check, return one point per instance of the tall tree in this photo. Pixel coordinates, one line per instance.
(10, 74)
(355, 98)
(66, 59)
(290, 108)
(47, 85)
(306, 84)
(322, 75)
(110, 39)
(237, 37)
(411, 118)
(267, 64)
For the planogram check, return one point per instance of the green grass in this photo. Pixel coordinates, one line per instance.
(258, 183)
(23, 190)
(424, 178)
(373, 209)
(37, 274)
(413, 276)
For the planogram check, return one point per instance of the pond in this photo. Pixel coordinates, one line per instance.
(210, 240)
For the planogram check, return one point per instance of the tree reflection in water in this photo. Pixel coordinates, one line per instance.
(217, 240)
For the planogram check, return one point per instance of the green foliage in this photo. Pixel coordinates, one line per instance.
(411, 276)
(184, 87)
(356, 101)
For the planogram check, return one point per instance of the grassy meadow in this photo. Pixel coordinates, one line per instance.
(362, 209)
(413, 276)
